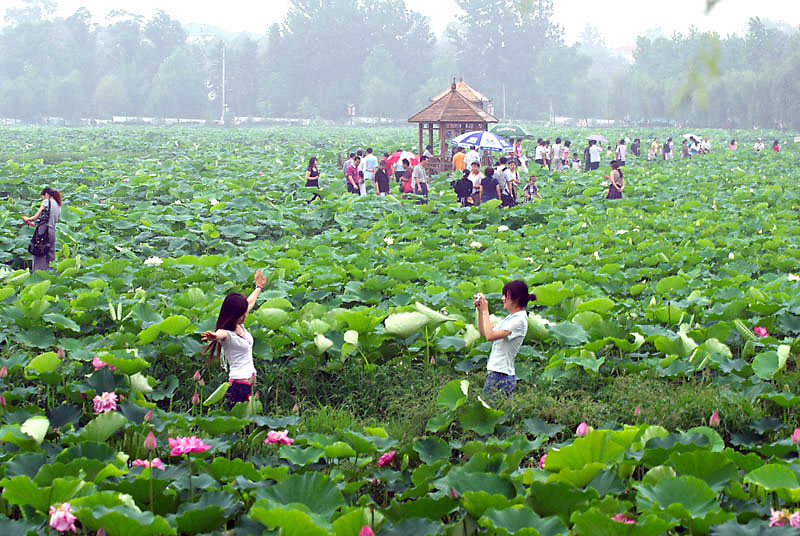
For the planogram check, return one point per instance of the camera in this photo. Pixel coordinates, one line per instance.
(476, 299)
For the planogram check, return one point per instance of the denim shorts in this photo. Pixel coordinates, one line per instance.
(499, 383)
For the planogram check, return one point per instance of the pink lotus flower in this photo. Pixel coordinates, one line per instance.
(280, 437)
(261, 173)
(105, 402)
(156, 463)
(185, 445)
(150, 441)
(3, 372)
(386, 459)
(148, 416)
(777, 518)
(761, 332)
(796, 436)
(126, 180)
(542, 460)
(61, 518)
(794, 519)
(102, 202)
(713, 421)
(195, 398)
(366, 531)
(582, 429)
(2, 401)
(637, 411)
(622, 518)
(98, 364)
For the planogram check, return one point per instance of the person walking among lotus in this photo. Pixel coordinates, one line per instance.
(506, 337)
(419, 180)
(232, 344)
(43, 243)
(312, 177)
(616, 182)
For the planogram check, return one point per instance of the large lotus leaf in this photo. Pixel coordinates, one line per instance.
(271, 318)
(124, 521)
(569, 334)
(453, 395)
(43, 363)
(339, 449)
(36, 427)
(301, 456)
(594, 523)
(405, 324)
(217, 395)
(537, 328)
(220, 425)
(477, 502)
(432, 449)
(557, 498)
(776, 477)
(322, 343)
(714, 468)
(551, 294)
(755, 527)
(598, 305)
(681, 345)
(416, 526)
(766, 364)
(671, 283)
(361, 443)
(176, 325)
(462, 480)
(597, 447)
(578, 478)
(192, 297)
(61, 321)
(425, 506)
(206, 514)
(361, 321)
(18, 527)
(351, 523)
(125, 362)
(685, 497)
(289, 521)
(479, 418)
(102, 427)
(472, 334)
(434, 316)
(521, 521)
(21, 490)
(537, 426)
(314, 490)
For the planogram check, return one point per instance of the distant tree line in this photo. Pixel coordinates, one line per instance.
(384, 59)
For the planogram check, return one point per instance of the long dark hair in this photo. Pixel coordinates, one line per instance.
(517, 291)
(55, 194)
(233, 307)
(615, 166)
(312, 163)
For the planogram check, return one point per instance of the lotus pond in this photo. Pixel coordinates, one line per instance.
(653, 312)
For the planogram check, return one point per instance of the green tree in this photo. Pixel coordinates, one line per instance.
(111, 97)
(179, 87)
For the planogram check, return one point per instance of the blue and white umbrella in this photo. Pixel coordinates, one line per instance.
(483, 140)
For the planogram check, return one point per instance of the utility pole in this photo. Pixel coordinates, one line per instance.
(222, 118)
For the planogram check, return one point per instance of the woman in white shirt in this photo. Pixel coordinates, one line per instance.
(507, 336)
(233, 343)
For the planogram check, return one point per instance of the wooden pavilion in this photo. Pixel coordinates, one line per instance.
(452, 113)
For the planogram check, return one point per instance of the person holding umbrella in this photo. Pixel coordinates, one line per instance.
(594, 155)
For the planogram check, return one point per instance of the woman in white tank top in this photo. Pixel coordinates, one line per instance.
(233, 343)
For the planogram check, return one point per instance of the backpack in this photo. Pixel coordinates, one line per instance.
(666, 147)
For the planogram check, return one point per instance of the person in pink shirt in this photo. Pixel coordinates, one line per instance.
(352, 176)
(732, 146)
(775, 147)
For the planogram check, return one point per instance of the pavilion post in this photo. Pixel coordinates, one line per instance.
(419, 147)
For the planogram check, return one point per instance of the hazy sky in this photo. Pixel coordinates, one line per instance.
(619, 21)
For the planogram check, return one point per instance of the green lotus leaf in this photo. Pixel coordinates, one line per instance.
(313, 490)
(176, 325)
(520, 520)
(598, 305)
(569, 334)
(598, 446)
(431, 449)
(217, 395)
(125, 362)
(44, 363)
(453, 395)
(124, 521)
(767, 364)
(592, 522)
(685, 497)
(209, 513)
(714, 468)
(405, 324)
(671, 283)
(271, 318)
(61, 321)
(479, 418)
(36, 427)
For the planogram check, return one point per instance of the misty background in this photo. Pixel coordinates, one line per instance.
(326, 57)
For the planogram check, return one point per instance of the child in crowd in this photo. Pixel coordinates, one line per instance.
(576, 162)
(531, 190)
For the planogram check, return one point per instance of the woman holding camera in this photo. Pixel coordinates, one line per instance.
(47, 217)
(506, 337)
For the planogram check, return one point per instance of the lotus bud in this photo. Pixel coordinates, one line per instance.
(148, 416)
(3, 372)
(60, 353)
(637, 411)
(582, 429)
(366, 531)
(796, 436)
(195, 398)
(295, 408)
(201, 382)
(197, 377)
(713, 421)
(2, 401)
(150, 441)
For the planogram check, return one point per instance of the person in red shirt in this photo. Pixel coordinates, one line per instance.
(775, 147)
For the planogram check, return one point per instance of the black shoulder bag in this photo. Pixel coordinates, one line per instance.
(40, 241)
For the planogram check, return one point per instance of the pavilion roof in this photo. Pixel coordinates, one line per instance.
(452, 106)
(472, 94)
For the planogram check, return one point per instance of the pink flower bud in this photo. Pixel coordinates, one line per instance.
(365, 530)
(796, 436)
(148, 416)
(150, 441)
(60, 353)
(2, 401)
(195, 399)
(542, 461)
(295, 408)
(197, 377)
(637, 411)
(761, 332)
(201, 382)
(3, 372)
(582, 429)
(713, 421)
(453, 494)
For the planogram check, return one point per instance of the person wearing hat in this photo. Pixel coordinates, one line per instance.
(759, 146)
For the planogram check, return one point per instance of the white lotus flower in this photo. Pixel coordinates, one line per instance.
(730, 255)
(389, 240)
(529, 259)
(583, 225)
(475, 244)
(153, 261)
(596, 255)
(697, 223)
(177, 202)
(213, 202)
(502, 228)
(621, 232)
(751, 190)
(793, 277)
(547, 250)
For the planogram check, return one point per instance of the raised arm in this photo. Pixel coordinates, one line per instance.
(484, 325)
(261, 282)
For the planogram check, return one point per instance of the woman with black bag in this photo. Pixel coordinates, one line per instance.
(43, 242)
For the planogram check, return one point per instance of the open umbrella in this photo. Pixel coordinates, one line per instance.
(695, 136)
(509, 131)
(400, 155)
(598, 137)
(483, 140)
